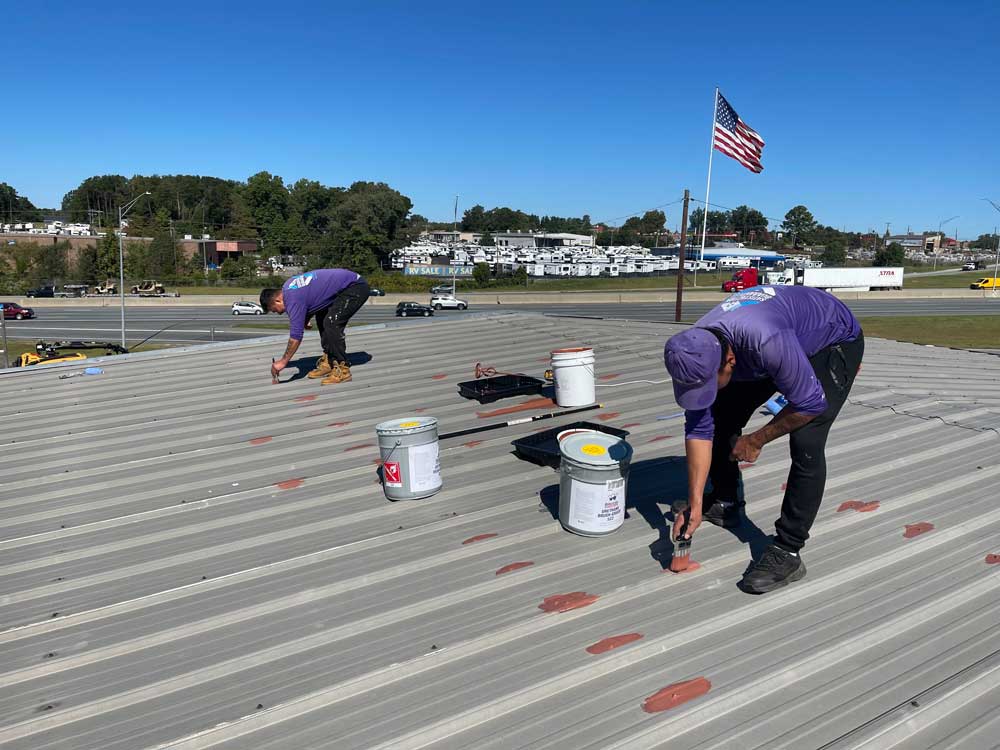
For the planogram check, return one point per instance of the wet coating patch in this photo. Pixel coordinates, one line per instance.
(514, 566)
(304, 399)
(359, 446)
(631, 424)
(566, 602)
(691, 568)
(859, 506)
(610, 376)
(261, 440)
(676, 694)
(290, 484)
(537, 403)
(609, 415)
(472, 443)
(916, 529)
(658, 438)
(338, 424)
(615, 641)
(439, 376)
(478, 538)
(992, 559)
(746, 466)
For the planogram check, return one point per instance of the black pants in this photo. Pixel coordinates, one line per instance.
(835, 367)
(331, 321)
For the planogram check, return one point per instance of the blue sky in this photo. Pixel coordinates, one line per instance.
(873, 112)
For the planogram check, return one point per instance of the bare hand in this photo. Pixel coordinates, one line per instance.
(745, 449)
(277, 367)
(686, 523)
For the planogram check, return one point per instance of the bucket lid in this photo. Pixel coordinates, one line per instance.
(595, 448)
(405, 425)
(573, 350)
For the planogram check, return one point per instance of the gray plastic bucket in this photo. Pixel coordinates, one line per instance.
(410, 468)
(593, 477)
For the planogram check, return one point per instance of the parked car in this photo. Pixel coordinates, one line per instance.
(413, 309)
(13, 311)
(46, 290)
(447, 301)
(970, 266)
(247, 308)
(373, 292)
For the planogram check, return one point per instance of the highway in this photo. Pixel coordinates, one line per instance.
(185, 324)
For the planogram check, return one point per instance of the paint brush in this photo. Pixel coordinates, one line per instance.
(682, 546)
(274, 378)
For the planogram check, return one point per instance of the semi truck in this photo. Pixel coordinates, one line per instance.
(830, 279)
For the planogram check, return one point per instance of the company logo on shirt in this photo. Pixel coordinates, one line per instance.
(752, 296)
(301, 281)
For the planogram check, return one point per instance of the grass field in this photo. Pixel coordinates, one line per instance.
(960, 331)
(947, 281)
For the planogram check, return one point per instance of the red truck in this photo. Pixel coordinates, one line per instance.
(742, 279)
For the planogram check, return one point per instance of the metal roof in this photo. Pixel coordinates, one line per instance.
(192, 557)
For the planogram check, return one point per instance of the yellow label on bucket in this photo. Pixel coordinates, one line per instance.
(592, 449)
(409, 424)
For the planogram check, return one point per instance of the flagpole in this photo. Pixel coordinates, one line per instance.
(708, 187)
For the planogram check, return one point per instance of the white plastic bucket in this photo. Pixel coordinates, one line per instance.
(411, 468)
(593, 476)
(573, 371)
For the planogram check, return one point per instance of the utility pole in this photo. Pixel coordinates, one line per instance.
(680, 257)
(454, 226)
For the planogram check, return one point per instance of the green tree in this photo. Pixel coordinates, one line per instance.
(652, 223)
(487, 240)
(718, 221)
(834, 254)
(474, 219)
(481, 275)
(749, 222)
(893, 255)
(14, 208)
(230, 269)
(162, 255)
(799, 222)
(521, 275)
(985, 242)
(107, 257)
(85, 268)
(136, 262)
(358, 251)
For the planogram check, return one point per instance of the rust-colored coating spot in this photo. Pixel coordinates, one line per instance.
(472, 443)
(746, 466)
(631, 424)
(338, 424)
(514, 566)
(359, 446)
(261, 440)
(304, 399)
(290, 484)
(676, 694)
(658, 438)
(610, 376)
(784, 486)
(615, 641)
(692, 566)
(439, 376)
(377, 461)
(992, 559)
(478, 538)
(609, 415)
(420, 410)
(536, 403)
(916, 529)
(566, 602)
(859, 506)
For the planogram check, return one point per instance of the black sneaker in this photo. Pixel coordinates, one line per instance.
(775, 568)
(724, 513)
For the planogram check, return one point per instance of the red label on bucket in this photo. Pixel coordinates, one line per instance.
(392, 474)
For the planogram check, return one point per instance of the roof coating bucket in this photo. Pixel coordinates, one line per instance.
(593, 475)
(573, 371)
(410, 468)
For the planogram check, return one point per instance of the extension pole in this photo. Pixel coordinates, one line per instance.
(680, 258)
(512, 422)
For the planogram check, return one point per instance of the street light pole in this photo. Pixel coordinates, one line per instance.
(941, 224)
(122, 211)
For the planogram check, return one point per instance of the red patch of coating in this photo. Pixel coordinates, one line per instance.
(658, 438)
(377, 461)
(676, 694)
(859, 506)
(472, 443)
(261, 440)
(784, 486)
(303, 399)
(290, 484)
(478, 538)
(439, 376)
(691, 568)
(338, 424)
(612, 376)
(608, 415)
(359, 447)
(607, 644)
(514, 566)
(420, 410)
(992, 559)
(916, 529)
(536, 403)
(631, 424)
(566, 602)
(746, 466)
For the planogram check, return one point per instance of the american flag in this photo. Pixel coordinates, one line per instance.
(735, 138)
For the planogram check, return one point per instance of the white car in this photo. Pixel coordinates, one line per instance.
(247, 308)
(447, 301)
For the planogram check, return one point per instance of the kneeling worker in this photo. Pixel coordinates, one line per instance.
(801, 342)
(333, 295)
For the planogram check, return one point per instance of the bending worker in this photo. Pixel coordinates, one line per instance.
(333, 295)
(801, 342)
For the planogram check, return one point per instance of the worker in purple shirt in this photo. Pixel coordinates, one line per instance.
(332, 295)
(798, 341)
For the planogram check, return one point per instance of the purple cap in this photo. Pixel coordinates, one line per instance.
(693, 358)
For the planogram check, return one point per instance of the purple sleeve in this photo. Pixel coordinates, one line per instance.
(297, 314)
(783, 358)
(699, 425)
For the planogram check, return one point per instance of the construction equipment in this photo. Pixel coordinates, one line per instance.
(148, 287)
(48, 353)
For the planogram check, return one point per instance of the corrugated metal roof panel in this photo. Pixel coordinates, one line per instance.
(192, 557)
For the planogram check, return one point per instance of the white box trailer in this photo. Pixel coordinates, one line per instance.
(850, 279)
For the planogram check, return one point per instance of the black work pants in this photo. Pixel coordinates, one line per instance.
(331, 321)
(835, 368)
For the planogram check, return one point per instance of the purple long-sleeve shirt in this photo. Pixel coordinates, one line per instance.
(773, 331)
(311, 291)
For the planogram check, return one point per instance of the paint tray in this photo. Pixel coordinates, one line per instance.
(542, 447)
(488, 390)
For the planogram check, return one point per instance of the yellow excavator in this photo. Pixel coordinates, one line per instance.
(49, 353)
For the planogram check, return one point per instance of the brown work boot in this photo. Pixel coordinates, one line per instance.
(340, 373)
(322, 368)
